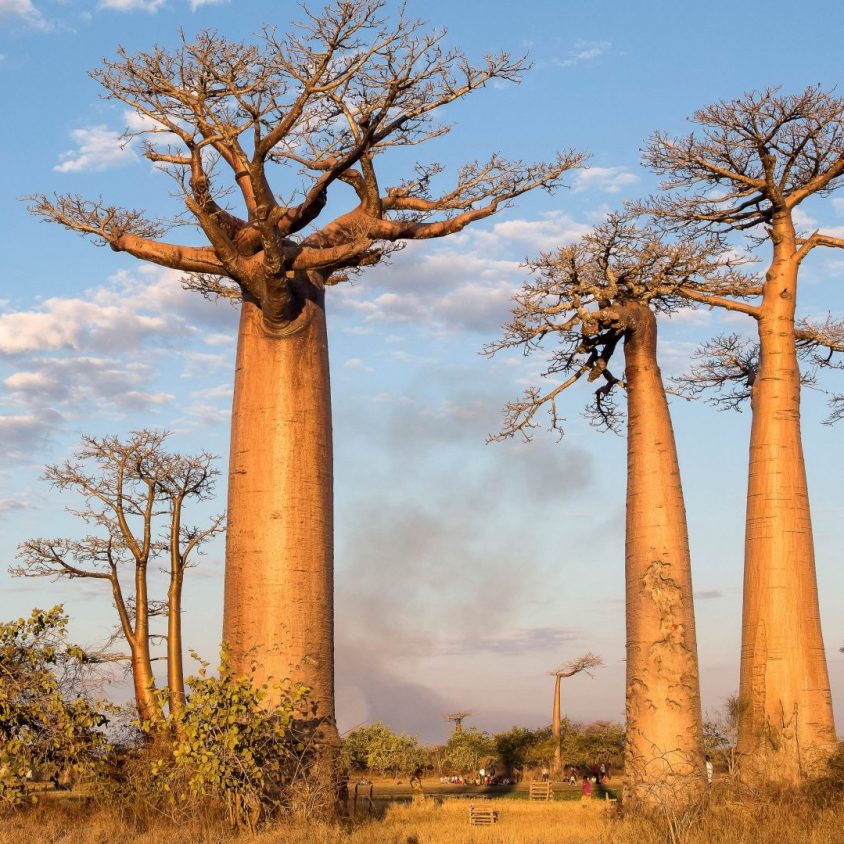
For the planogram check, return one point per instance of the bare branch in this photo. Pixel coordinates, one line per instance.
(586, 296)
(586, 663)
(751, 158)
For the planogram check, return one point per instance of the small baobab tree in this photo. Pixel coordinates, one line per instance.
(134, 495)
(283, 123)
(582, 664)
(747, 169)
(457, 718)
(591, 297)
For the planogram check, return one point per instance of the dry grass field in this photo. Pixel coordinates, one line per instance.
(519, 823)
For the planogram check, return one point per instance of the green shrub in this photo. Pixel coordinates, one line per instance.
(230, 750)
(46, 724)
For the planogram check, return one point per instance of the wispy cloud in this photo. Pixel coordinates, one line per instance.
(708, 594)
(102, 350)
(195, 4)
(132, 5)
(583, 51)
(466, 285)
(520, 641)
(25, 10)
(604, 179)
(97, 148)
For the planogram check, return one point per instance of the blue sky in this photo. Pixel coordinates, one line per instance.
(465, 571)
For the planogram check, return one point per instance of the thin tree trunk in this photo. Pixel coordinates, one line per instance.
(278, 612)
(175, 668)
(786, 727)
(555, 727)
(664, 746)
(144, 680)
(143, 683)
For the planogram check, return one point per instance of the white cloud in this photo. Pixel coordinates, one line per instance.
(464, 285)
(115, 318)
(552, 230)
(97, 148)
(132, 5)
(803, 220)
(105, 350)
(357, 364)
(605, 179)
(24, 9)
(23, 433)
(195, 4)
(583, 51)
(77, 323)
(83, 381)
(9, 504)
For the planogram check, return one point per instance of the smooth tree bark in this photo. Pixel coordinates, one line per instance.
(316, 105)
(592, 297)
(279, 565)
(662, 751)
(755, 160)
(129, 487)
(586, 663)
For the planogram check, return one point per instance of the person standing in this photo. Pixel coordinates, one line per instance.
(710, 769)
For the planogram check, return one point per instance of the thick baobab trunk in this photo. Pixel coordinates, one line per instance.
(279, 610)
(786, 727)
(664, 746)
(555, 728)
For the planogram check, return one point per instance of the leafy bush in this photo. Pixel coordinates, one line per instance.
(377, 748)
(230, 749)
(468, 750)
(46, 725)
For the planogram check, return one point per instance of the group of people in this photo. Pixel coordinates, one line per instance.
(597, 775)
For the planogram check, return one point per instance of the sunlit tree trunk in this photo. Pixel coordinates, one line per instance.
(786, 725)
(664, 746)
(278, 611)
(555, 728)
(175, 669)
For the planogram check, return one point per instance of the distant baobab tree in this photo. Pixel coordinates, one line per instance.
(318, 105)
(585, 663)
(457, 718)
(590, 298)
(134, 494)
(747, 169)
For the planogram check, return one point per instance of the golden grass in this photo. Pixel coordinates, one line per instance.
(519, 823)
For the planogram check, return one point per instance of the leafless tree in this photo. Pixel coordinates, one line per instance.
(746, 168)
(582, 664)
(588, 299)
(134, 494)
(258, 137)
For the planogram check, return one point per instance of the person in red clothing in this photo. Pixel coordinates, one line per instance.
(587, 789)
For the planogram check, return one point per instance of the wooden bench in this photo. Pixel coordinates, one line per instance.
(482, 816)
(541, 791)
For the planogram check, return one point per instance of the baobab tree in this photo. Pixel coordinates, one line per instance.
(129, 488)
(747, 169)
(591, 297)
(457, 718)
(585, 663)
(316, 105)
